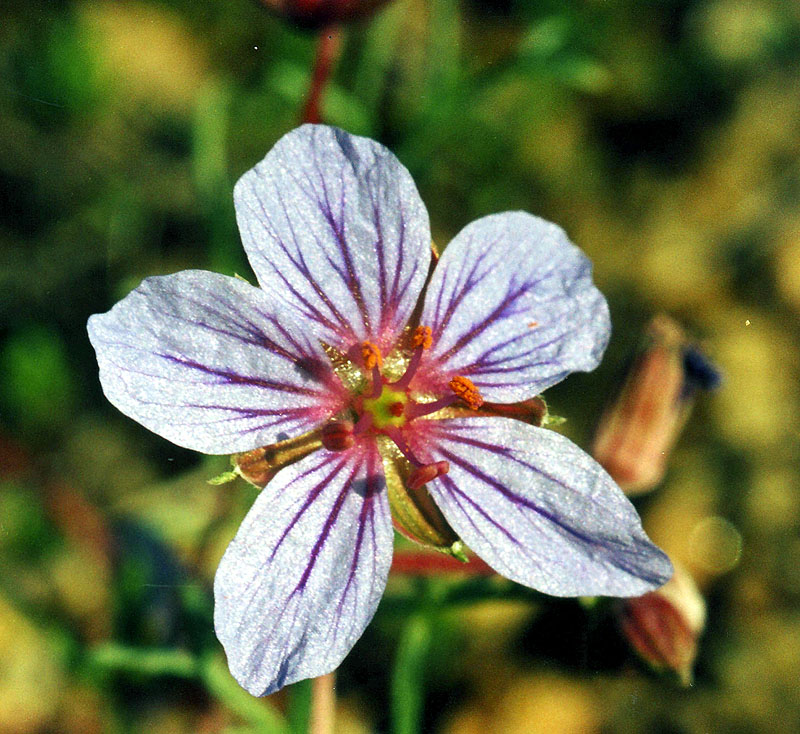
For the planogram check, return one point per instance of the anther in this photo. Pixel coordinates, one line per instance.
(427, 473)
(337, 435)
(421, 340)
(371, 355)
(466, 390)
(423, 337)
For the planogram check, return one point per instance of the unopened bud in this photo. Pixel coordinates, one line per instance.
(260, 465)
(637, 432)
(664, 626)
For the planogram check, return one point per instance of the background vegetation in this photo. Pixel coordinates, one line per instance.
(664, 136)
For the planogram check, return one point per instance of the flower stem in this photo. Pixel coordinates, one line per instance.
(326, 53)
(408, 676)
(298, 712)
(323, 704)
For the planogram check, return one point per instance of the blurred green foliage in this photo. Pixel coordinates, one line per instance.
(663, 136)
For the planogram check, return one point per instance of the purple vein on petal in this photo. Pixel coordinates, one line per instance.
(513, 485)
(510, 295)
(336, 223)
(207, 362)
(305, 572)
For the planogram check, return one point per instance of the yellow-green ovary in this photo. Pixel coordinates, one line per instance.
(380, 408)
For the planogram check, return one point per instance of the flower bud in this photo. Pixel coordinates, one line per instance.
(318, 13)
(638, 430)
(664, 626)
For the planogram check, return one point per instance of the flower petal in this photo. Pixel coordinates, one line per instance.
(333, 223)
(539, 510)
(512, 306)
(304, 574)
(207, 362)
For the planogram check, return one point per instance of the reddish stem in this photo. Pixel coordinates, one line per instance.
(415, 563)
(327, 51)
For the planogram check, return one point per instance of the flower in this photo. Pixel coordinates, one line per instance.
(397, 391)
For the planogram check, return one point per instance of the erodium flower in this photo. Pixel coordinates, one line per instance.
(401, 392)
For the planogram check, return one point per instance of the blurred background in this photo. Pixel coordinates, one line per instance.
(663, 136)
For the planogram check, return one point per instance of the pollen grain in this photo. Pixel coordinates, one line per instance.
(371, 355)
(466, 390)
(423, 337)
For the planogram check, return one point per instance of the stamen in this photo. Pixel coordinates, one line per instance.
(338, 435)
(423, 337)
(371, 356)
(427, 473)
(377, 382)
(466, 390)
(417, 410)
(422, 340)
(397, 436)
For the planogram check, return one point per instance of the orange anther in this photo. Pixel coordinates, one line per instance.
(466, 390)
(423, 337)
(371, 355)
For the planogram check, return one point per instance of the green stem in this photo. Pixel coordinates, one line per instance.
(299, 712)
(143, 661)
(408, 676)
(211, 670)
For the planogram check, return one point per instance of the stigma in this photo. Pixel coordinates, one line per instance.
(388, 408)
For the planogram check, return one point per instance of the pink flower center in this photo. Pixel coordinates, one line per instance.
(388, 407)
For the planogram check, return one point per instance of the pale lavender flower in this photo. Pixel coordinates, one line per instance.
(339, 338)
